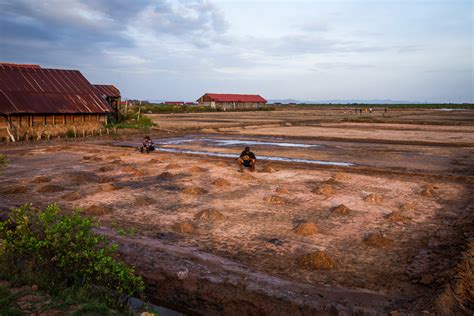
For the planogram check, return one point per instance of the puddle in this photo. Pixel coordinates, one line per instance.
(209, 142)
(233, 142)
(270, 158)
(446, 109)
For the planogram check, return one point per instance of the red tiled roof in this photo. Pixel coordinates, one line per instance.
(32, 89)
(107, 90)
(254, 98)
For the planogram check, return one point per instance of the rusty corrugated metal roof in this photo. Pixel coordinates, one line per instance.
(107, 90)
(14, 65)
(39, 90)
(240, 98)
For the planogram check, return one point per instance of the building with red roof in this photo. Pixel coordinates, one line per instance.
(232, 101)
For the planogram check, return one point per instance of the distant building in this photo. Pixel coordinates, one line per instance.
(231, 101)
(111, 94)
(37, 102)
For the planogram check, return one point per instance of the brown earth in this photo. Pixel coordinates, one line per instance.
(377, 239)
(306, 229)
(405, 252)
(318, 260)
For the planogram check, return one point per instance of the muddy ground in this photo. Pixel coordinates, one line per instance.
(386, 233)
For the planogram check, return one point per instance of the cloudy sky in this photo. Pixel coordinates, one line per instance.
(308, 50)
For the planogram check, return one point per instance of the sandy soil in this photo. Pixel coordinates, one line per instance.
(288, 238)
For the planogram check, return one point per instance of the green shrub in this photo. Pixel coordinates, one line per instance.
(133, 119)
(70, 133)
(3, 160)
(64, 249)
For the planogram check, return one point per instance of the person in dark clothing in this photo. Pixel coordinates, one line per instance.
(247, 159)
(147, 145)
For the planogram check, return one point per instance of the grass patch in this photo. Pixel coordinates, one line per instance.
(390, 106)
(3, 160)
(134, 119)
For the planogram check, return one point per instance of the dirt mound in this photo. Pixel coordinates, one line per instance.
(195, 191)
(108, 187)
(318, 260)
(407, 207)
(154, 160)
(186, 227)
(282, 190)
(247, 176)
(209, 215)
(92, 158)
(82, 177)
(374, 198)
(98, 210)
(106, 179)
(276, 200)
(143, 201)
(208, 130)
(15, 189)
(166, 175)
(172, 166)
(196, 169)
(331, 181)
(339, 176)
(325, 189)
(396, 217)
(220, 182)
(51, 188)
(106, 168)
(428, 191)
(377, 239)
(306, 229)
(341, 210)
(132, 170)
(269, 169)
(71, 196)
(41, 179)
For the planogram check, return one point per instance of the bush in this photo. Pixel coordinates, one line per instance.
(3, 160)
(70, 133)
(134, 119)
(64, 250)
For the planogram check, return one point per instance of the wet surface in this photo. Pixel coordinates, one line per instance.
(417, 158)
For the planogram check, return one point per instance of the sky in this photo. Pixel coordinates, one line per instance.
(412, 50)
